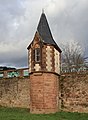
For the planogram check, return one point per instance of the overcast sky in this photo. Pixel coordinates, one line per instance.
(68, 20)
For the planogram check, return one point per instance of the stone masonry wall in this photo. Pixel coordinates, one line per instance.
(15, 92)
(74, 92)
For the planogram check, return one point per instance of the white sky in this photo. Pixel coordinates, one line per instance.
(68, 21)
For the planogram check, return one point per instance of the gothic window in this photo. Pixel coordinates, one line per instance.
(37, 55)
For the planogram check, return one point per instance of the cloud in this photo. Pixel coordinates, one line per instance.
(71, 23)
(55, 6)
(68, 20)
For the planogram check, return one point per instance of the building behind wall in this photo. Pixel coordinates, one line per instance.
(44, 57)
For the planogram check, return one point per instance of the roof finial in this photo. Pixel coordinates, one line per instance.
(42, 10)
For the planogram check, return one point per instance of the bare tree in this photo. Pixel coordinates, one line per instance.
(72, 57)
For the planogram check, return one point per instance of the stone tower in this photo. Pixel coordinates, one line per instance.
(44, 69)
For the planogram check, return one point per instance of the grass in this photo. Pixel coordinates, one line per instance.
(23, 114)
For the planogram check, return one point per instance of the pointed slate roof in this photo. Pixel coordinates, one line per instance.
(45, 32)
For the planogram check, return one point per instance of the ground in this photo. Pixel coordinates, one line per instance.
(24, 114)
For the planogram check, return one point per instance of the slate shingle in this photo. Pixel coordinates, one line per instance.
(45, 32)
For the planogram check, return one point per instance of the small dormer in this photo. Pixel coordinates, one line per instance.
(43, 52)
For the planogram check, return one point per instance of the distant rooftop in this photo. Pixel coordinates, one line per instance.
(6, 68)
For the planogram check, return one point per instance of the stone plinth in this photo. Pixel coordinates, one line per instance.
(44, 93)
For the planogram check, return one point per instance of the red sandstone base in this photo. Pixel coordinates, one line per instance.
(44, 93)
